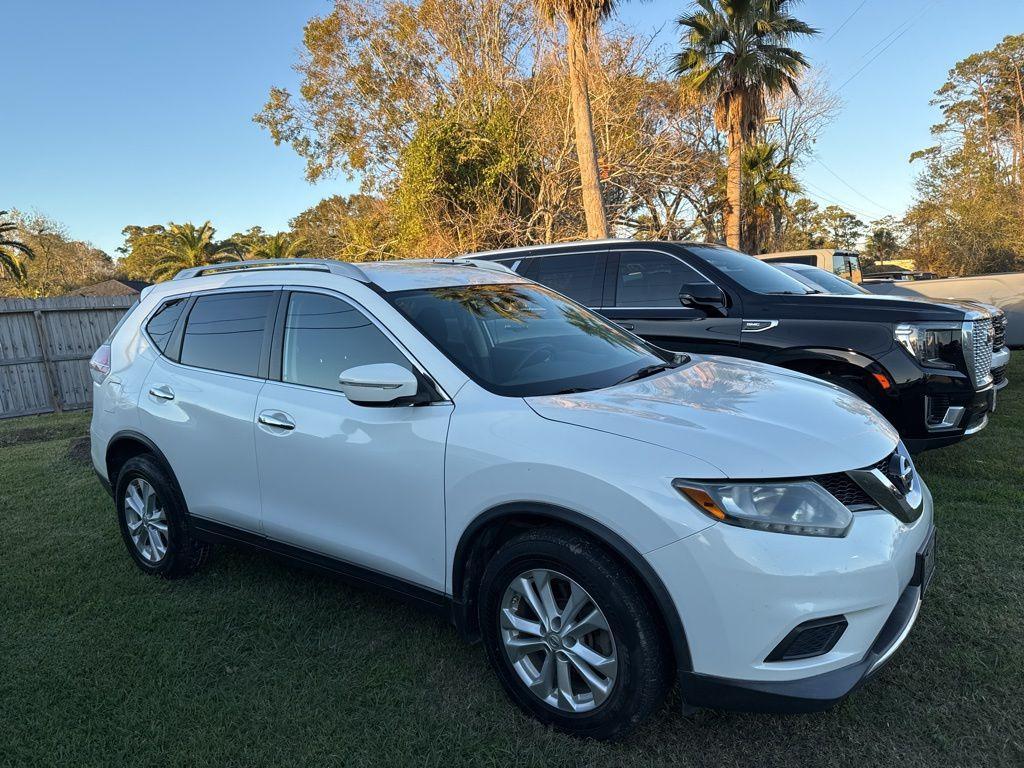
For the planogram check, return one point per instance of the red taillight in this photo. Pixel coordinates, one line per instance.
(99, 365)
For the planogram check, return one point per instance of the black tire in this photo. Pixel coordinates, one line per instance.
(184, 552)
(644, 671)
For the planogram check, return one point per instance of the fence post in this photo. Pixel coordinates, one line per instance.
(49, 368)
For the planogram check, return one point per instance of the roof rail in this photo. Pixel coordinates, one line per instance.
(342, 268)
(491, 266)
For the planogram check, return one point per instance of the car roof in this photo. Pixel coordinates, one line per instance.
(412, 274)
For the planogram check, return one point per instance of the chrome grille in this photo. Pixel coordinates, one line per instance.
(978, 350)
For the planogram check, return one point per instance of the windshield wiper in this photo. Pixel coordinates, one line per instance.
(648, 370)
(571, 391)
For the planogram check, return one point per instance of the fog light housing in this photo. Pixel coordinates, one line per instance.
(812, 638)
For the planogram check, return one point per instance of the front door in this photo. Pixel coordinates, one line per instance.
(353, 482)
(645, 300)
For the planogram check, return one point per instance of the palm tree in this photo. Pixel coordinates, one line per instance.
(768, 182)
(283, 245)
(581, 19)
(12, 250)
(186, 245)
(737, 53)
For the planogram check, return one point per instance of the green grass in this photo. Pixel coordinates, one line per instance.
(253, 663)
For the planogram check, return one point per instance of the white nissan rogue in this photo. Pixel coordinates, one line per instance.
(607, 517)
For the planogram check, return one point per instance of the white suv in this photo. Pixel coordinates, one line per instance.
(606, 516)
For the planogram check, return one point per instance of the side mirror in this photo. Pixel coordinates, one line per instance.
(378, 383)
(702, 295)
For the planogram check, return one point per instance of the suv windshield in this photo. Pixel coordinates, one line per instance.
(821, 279)
(753, 274)
(521, 340)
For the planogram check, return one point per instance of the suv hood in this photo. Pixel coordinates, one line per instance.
(750, 420)
(891, 309)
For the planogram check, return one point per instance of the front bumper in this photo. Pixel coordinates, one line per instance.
(739, 593)
(809, 694)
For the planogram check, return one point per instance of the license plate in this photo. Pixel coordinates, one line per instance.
(925, 563)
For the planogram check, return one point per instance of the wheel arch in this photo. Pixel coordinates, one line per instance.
(821, 362)
(127, 444)
(491, 528)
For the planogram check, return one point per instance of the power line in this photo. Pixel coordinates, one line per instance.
(846, 21)
(827, 198)
(902, 29)
(852, 188)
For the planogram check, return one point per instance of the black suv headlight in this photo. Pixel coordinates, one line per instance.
(932, 345)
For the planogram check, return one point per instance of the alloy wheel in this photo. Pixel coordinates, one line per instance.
(558, 640)
(146, 521)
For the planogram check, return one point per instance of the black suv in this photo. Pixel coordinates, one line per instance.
(925, 365)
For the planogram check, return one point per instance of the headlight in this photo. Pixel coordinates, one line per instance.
(803, 508)
(933, 346)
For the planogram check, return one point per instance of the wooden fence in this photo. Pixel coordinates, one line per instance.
(45, 346)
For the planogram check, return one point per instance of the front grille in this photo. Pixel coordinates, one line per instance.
(979, 352)
(851, 495)
(999, 323)
(843, 488)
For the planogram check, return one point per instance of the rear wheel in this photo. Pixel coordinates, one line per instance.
(154, 521)
(571, 635)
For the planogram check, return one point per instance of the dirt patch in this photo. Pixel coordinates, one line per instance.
(39, 434)
(79, 452)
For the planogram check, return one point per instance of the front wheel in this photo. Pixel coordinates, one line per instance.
(571, 634)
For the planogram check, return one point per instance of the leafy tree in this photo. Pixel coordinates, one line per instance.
(738, 53)
(354, 228)
(59, 262)
(769, 182)
(840, 228)
(581, 19)
(884, 242)
(12, 249)
(799, 226)
(969, 217)
(186, 245)
(283, 245)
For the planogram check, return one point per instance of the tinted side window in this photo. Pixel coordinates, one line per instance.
(324, 336)
(161, 325)
(647, 279)
(809, 260)
(579, 276)
(224, 332)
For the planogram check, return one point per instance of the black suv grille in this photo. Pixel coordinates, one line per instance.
(848, 492)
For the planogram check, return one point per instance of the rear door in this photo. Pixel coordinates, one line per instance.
(643, 297)
(199, 400)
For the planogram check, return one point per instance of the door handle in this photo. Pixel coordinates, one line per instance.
(163, 392)
(628, 326)
(277, 420)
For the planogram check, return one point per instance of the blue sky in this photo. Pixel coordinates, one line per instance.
(138, 112)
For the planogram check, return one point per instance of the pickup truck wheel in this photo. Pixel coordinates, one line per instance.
(154, 521)
(571, 635)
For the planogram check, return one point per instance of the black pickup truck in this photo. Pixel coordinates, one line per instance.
(927, 366)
